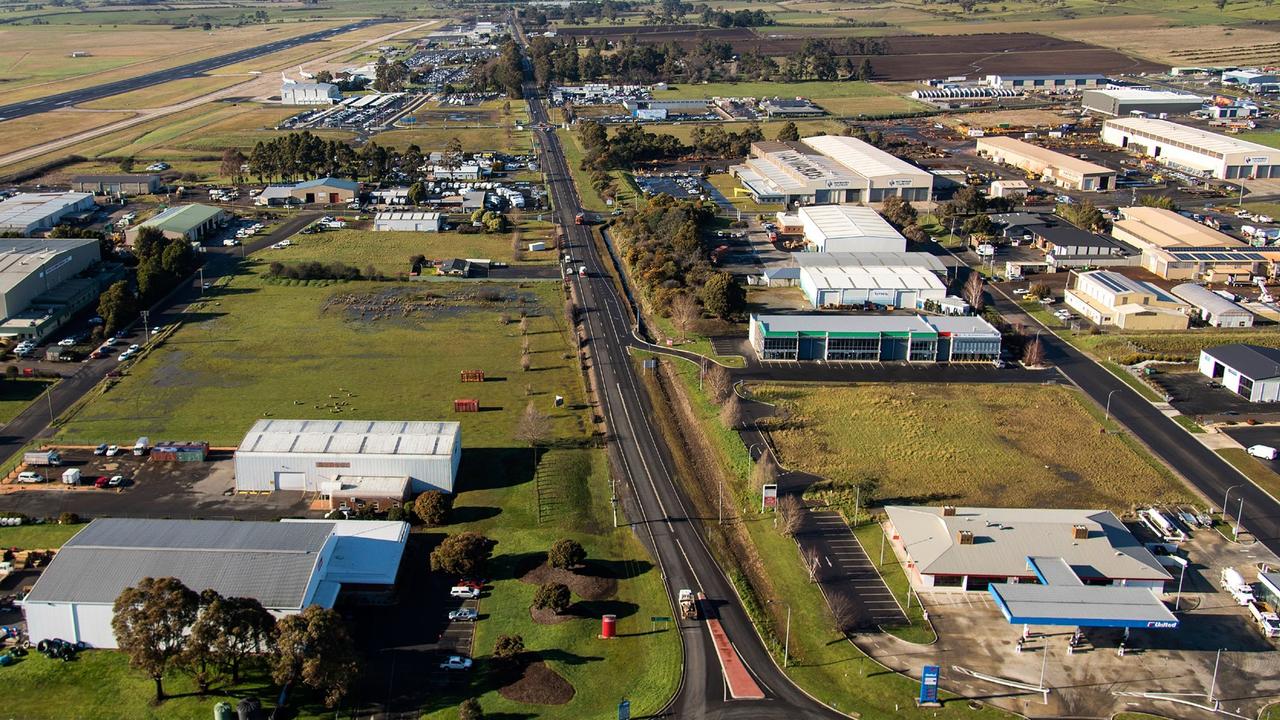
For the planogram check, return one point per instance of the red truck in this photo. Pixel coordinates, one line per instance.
(580, 219)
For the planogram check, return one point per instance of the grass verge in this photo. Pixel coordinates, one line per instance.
(1252, 468)
(872, 537)
(45, 536)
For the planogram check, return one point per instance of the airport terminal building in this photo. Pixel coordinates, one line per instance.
(828, 169)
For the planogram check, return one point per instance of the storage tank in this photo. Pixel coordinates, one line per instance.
(608, 627)
(223, 711)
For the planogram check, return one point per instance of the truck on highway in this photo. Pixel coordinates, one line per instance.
(580, 219)
(42, 458)
(1233, 582)
(688, 604)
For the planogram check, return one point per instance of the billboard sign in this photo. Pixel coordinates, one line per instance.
(1256, 160)
(769, 498)
(900, 182)
(929, 685)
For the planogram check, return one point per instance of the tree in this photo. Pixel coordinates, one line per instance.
(1033, 355)
(566, 554)
(232, 162)
(685, 312)
(731, 412)
(416, 194)
(552, 596)
(432, 507)
(126, 164)
(314, 648)
(470, 710)
(463, 553)
(508, 647)
(116, 306)
(721, 296)
(973, 291)
(228, 631)
(788, 132)
(790, 514)
(1083, 215)
(978, 225)
(150, 624)
(717, 383)
(898, 211)
(765, 471)
(864, 71)
(1158, 201)
(532, 427)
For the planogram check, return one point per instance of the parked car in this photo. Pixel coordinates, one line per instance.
(465, 593)
(476, 583)
(113, 450)
(102, 482)
(464, 615)
(456, 662)
(116, 481)
(30, 477)
(100, 450)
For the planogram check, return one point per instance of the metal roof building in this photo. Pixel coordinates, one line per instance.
(847, 228)
(305, 93)
(33, 267)
(409, 221)
(1250, 371)
(828, 169)
(965, 548)
(871, 259)
(1062, 169)
(286, 566)
(885, 285)
(1193, 150)
(306, 455)
(27, 213)
(1213, 308)
(187, 222)
(1109, 298)
(1176, 247)
(1119, 102)
(874, 338)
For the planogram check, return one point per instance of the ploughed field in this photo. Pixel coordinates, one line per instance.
(912, 57)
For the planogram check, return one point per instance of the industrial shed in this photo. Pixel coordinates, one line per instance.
(1212, 307)
(116, 184)
(182, 222)
(27, 213)
(1119, 102)
(313, 455)
(874, 338)
(409, 221)
(847, 228)
(1250, 371)
(297, 93)
(1193, 150)
(287, 566)
(885, 285)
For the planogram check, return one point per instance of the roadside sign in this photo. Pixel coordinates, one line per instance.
(929, 685)
(769, 498)
(624, 710)
(660, 618)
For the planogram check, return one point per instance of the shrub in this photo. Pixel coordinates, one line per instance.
(552, 596)
(68, 518)
(566, 554)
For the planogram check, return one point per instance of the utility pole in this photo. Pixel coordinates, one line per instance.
(49, 394)
(1239, 514)
(146, 324)
(1213, 684)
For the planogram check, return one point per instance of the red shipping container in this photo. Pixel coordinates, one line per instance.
(465, 405)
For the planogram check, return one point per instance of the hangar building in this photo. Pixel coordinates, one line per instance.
(287, 566)
(1119, 102)
(182, 222)
(390, 459)
(297, 93)
(406, 220)
(1193, 150)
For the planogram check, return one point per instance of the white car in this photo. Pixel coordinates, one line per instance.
(67, 342)
(464, 592)
(125, 355)
(456, 662)
(134, 348)
(1020, 291)
(113, 450)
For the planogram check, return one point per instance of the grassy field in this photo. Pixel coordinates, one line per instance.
(726, 185)
(1270, 138)
(390, 252)
(165, 94)
(1260, 473)
(44, 127)
(844, 99)
(770, 129)
(45, 536)
(258, 348)
(1000, 445)
(1127, 348)
(17, 394)
(473, 139)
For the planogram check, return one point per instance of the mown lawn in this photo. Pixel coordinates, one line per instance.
(17, 394)
(996, 445)
(45, 536)
(259, 348)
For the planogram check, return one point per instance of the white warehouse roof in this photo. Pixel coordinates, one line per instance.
(1195, 138)
(350, 437)
(1207, 300)
(841, 222)
(27, 209)
(899, 277)
(406, 215)
(863, 158)
(870, 259)
(1143, 95)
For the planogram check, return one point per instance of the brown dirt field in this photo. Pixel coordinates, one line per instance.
(547, 616)
(589, 583)
(915, 57)
(538, 684)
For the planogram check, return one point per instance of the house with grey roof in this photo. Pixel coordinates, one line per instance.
(966, 548)
(286, 566)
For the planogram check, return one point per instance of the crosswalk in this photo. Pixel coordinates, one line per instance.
(843, 569)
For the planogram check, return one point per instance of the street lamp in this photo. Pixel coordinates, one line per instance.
(1224, 499)
(1107, 416)
(786, 645)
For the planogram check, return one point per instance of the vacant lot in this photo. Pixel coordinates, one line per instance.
(1001, 445)
(837, 98)
(390, 252)
(258, 349)
(16, 395)
(1128, 348)
(46, 536)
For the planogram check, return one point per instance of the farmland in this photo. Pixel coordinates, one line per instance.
(1004, 445)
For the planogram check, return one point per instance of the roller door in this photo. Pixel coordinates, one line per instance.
(291, 481)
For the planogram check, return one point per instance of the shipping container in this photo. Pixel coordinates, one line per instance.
(180, 452)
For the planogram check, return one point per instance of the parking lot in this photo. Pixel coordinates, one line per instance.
(152, 489)
(1092, 680)
(1259, 435)
(1198, 396)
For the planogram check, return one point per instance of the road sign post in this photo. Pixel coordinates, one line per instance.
(929, 686)
(769, 497)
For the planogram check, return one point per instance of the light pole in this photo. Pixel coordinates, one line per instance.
(1224, 500)
(786, 644)
(1177, 601)
(1213, 684)
(1239, 516)
(1107, 415)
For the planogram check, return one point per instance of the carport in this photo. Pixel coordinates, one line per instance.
(1062, 599)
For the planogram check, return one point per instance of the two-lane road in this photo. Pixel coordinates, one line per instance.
(190, 70)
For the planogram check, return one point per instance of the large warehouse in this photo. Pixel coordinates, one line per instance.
(1120, 102)
(182, 222)
(28, 213)
(116, 184)
(298, 93)
(1213, 309)
(899, 286)
(1176, 247)
(32, 267)
(828, 169)
(1192, 149)
(1046, 83)
(1063, 170)
(286, 566)
(412, 221)
(389, 458)
(965, 548)
(1109, 298)
(874, 338)
(1250, 371)
(845, 228)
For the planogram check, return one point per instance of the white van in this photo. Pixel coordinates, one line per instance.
(1266, 452)
(466, 593)
(30, 477)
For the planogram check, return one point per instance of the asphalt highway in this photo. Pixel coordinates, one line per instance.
(96, 92)
(1203, 468)
(665, 519)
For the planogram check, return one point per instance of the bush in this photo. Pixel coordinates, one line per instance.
(313, 270)
(552, 596)
(432, 507)
(68, 518)
(397, 514)
(566, 554)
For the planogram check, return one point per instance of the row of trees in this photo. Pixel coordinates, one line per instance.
(504, 73)
(163, 626)
(304, 155)
(631, 144)
(162, 263)
(577, 13)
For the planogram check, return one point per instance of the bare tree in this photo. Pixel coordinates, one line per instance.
(717, 383)
(526, 362)
(1033, 355)
(811, 563)
(973, 290)
(532, 427)
(524, 326)
(765, 471)
(790, 514)
(685, 312)
(843, 612)
(731, 412)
